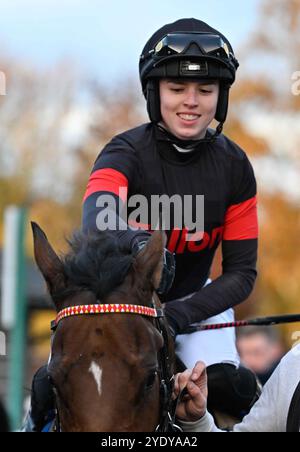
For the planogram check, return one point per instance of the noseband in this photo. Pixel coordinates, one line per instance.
(167, 407)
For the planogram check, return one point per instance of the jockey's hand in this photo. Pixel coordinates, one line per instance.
(192, 405)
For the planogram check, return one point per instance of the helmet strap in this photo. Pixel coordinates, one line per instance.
(218, 132)
(153, 101)
(222, 107)
(190, 144)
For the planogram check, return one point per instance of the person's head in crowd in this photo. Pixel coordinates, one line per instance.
(261, 349)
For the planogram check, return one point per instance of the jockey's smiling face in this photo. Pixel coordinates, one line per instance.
(188, 107)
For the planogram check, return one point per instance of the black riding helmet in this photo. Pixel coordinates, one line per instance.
(187, 48)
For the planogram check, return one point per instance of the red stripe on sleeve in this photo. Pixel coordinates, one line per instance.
(107, 179)
(241, 221)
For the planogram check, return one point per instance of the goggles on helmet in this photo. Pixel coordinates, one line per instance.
(177, 43)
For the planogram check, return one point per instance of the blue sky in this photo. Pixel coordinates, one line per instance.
(105, 38)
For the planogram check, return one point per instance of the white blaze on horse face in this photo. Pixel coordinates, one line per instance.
(96, 371)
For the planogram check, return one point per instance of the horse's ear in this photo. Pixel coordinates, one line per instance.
(150, 259)
(47, 260)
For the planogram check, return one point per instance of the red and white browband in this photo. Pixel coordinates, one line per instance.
(106, 309)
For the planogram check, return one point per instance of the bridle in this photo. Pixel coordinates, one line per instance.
(166, 376)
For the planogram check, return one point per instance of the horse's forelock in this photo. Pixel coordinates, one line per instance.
(95, 262)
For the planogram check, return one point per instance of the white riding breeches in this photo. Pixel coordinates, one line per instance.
(211, 346)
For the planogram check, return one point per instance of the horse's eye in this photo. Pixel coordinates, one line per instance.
(150, 380)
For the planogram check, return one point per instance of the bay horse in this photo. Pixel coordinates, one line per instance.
(111, 362)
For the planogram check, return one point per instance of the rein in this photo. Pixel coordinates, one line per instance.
(167, 407)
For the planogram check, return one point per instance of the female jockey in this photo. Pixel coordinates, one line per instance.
(186, 70)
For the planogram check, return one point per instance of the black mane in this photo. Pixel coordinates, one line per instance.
(96, 262)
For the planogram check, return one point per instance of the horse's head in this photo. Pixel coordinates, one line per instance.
(104, 368)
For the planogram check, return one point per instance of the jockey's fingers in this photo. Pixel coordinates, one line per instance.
(180, 381)
(183, 378)
(194, 392)
(198, 370)
(176, 387)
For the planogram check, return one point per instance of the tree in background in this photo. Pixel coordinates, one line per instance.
(34, 152)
